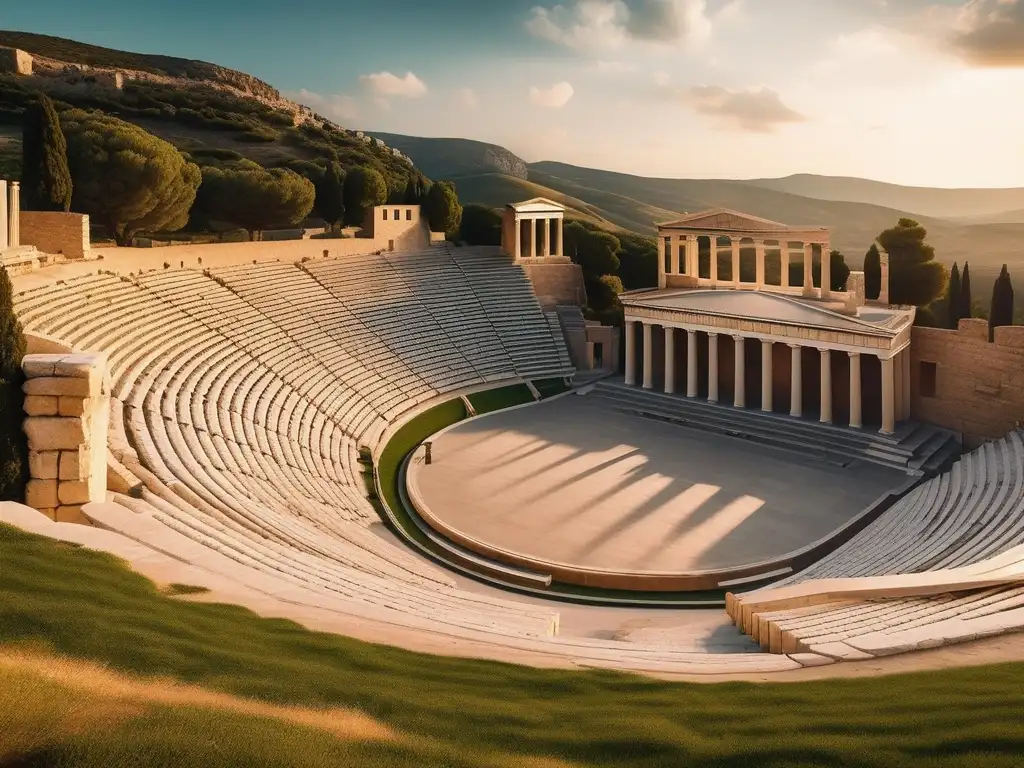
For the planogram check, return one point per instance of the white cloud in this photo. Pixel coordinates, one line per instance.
(596, 25)
(387, 84)
(990, 33)
(554, 96)
(661, 78)
(466, 97)
(338, 106)
(757, 110)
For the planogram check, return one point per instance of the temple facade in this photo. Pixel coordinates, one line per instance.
(774, 335)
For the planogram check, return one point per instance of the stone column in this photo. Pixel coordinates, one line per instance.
(661, 262)
(883, 292)
(518, 238)
(766, 375)
(897, 375)
(784, 263)
(808, 273)
(670, 360)
(533, 238)
(906, 384)
(545, 232)
(674, 261)
(648, 355)
(3, 214)
(735, 243)
(826, 387)
(692, 255)
(826, 271)
(759, 259)
(67, 403)
(855, 399)
(888, 409)
(691, 363)
(714, 260)
(796, 382)
(631, 353)
(14, 215)
(560, 250)
(739, 376)
(712, 367)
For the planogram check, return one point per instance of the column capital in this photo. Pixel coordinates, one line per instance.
(853, 354)
(738, 337)
(691, 238)
(712, 335)
(824, 350)
(794, 346)
(734, 238)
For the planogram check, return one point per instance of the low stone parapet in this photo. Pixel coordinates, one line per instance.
(67, 411)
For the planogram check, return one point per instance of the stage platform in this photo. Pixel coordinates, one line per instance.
(575, 484)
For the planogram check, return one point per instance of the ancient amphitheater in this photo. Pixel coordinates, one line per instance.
(248, 401)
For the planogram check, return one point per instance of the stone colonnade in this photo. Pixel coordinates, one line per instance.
(545, 229)
(683, 259)
(10, 207)
(894, 384)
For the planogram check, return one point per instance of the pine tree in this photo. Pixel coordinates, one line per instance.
(872, 272)
(915, 277)
(953, 298)
(13, 443)
(1001, 310)
(966, 307)
(329, 194)
(410, 196)
(45, 178)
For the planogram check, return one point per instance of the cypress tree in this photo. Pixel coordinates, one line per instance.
(410, 196)
(966, 309)
(915, 277)
(872, 272)
(329, 194)
(13, 443)
(1001, 309)
(953, 298)
(45, 178)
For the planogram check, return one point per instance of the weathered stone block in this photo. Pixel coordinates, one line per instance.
(41, 405)
(36, 366)
(71, 406)
(74, 465)
(47, 433)
(41, 494)
(43, 465)
(73, 492)
(55, 386)
(71, 513)
(50, 513)
(1010, 336)
(973, 328)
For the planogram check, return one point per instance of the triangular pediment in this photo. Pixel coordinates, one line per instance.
(537, 205)
(725, 219)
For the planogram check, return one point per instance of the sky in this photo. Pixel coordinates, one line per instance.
(920, 92)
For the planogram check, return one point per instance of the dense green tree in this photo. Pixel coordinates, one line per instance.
(444, 212)
(409, 197)
(330, 203)
(872, 272)
(915, 277)
(838, 271)
(952, 301)
(966, 301)
(638, 261)
(1001, 311)
(125, 178)
(480, 225)
(255, 198)
(594, 250)
(45, 177)
(13, 443)
(363, 189)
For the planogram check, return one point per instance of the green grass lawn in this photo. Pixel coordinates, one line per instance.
(445, 711)
(503, 397)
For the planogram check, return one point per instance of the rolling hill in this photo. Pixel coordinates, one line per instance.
(924, 201)
(448, 158)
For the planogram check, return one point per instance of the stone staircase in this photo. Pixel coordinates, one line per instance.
(917, 449)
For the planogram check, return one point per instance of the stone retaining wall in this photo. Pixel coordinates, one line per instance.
(56, 232)
(979, 385)
(67, 401)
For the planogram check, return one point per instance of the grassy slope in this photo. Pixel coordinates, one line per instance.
(445, 711)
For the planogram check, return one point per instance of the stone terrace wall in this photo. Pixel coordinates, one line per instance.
(56, 232)
(557, 283)
(67, 402)
(979, 386)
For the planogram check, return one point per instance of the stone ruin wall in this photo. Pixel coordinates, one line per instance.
(56, 232)
(979, 385)
(15, 62)
(67, 408)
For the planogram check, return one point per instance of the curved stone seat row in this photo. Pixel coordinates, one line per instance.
(942, 565)
(244, 396)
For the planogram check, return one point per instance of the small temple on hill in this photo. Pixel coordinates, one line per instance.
(744, 326)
